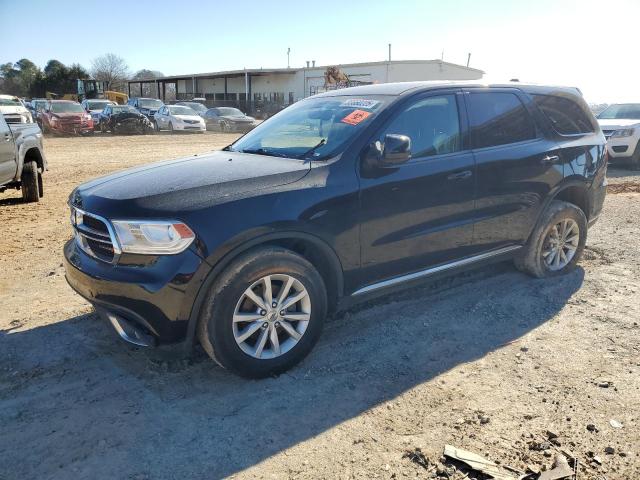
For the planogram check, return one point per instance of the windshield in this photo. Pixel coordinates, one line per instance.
(149, 103)
(198, 107)
(621, 111)
(123, 108)
(38, 104)
(66, 107)
(315, 128)
(97, 105)
(230, 112)
(181, 110)
(10, 102)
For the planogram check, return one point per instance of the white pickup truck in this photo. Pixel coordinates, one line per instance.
(22, 159)
(620, 123)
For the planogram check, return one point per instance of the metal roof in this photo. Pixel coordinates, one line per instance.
(276, 71)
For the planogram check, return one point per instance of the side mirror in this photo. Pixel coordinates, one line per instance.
(396, 149)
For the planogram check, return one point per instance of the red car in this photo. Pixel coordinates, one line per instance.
(65, 116)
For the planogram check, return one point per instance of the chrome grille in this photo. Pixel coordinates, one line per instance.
(94, 235)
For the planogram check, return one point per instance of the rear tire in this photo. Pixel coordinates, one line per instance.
(29, 181)
(635, 158)
(553, 248)
(40, 185)
(222, 337)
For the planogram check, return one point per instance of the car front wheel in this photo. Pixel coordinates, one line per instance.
(264, 313)
(557, 242)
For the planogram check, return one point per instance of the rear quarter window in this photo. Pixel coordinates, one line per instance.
(498, 118)
(566, 116)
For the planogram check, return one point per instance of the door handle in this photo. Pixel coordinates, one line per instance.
(550, 159)
(460, 175)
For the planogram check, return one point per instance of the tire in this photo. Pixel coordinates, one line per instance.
(29, 181)
(217, 331)
(558, 215)
(635, 158)
(40, 185)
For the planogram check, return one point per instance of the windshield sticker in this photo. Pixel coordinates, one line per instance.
(359, 103)
(355, 117)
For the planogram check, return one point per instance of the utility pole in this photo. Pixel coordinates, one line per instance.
(288, 52)
(389, 52)
(468, 59)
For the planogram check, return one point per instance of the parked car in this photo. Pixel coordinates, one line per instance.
(35, 106)
(198, 107)
(341, 196)
(178, 118)
(65, 116)
(94, 107)
(621, 125)
(146, 106)
(123, 119)
(228, 119)
(22, 159)
(14, 110)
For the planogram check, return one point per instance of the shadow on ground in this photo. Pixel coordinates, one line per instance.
(75, 402)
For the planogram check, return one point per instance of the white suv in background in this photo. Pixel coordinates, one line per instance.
(14, 110)
(620, 123)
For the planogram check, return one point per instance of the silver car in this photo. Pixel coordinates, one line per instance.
(178, 118)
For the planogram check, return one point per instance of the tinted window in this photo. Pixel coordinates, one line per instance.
(498, 119)
(567, 117)
(432, 124)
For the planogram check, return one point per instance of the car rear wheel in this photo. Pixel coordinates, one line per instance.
(556, 243)
(29, 182)
(264, 313)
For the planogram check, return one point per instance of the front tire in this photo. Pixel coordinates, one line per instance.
(264, 313)
(29, 181)
(557, 242)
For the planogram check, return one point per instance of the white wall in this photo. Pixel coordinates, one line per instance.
(300, 81)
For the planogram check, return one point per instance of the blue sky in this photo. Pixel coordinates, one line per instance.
(589, 44)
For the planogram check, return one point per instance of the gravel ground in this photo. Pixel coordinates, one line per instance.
(490, 361)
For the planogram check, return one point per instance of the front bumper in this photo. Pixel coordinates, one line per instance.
(154, 298)
(620, 148)
(72, 129)
(190, 127)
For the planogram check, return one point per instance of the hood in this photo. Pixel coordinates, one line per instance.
(126, 115)
(617, 123)
(7, 110)
(238, 118)
(188, 117)
(69, 114)
(175, 187)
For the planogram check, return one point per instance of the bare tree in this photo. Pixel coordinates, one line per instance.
(112, 69)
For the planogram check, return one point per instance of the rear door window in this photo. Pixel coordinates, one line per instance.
(498, 118)
(566, 116)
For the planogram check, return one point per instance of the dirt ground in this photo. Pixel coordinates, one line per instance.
(491, 361)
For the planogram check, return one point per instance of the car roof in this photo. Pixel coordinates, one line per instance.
(400, 88)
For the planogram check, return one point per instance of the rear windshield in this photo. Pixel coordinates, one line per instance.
(149, 103)
(566, 116)
(229, 112)
(123, 108)
(66, 108)
(621, 111)
(97, 105)
(315, 128)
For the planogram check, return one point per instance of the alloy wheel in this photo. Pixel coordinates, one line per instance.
(271, 316)
(561, 244)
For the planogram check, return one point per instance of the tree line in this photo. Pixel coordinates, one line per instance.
(25, 79)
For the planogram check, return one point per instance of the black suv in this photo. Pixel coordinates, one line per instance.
(146, 106)
(338, 197)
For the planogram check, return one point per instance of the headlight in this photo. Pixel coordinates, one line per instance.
(153, 237)
(626, 132)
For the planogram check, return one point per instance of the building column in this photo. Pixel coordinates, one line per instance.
(141, 89)
(164, 91)
(157, 89)
(129, 88)
(225, 88)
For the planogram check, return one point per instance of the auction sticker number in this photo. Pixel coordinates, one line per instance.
(356, 117)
